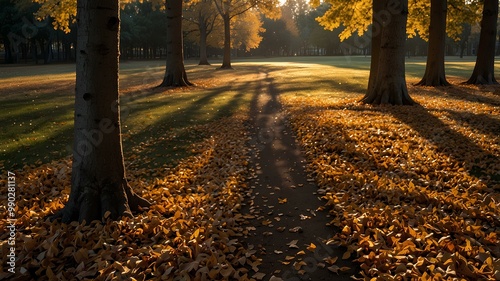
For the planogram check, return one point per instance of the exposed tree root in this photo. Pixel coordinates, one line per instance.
(94, 202)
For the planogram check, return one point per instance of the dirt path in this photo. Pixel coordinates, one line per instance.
(287, 224)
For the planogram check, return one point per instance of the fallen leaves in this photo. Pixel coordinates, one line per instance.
(190, 232)
(414, 190)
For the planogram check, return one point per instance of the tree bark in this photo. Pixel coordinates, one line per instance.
(376, 34)
(389, 84)
(226, 60)
(175, 72)
(484, 72)
(434, 70)
(203, 43)
(98, 178)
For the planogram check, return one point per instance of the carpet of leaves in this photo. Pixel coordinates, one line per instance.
(414, 191)
(190, 233)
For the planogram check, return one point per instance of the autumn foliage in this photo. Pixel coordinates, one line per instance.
(189, 231)
(412, 190)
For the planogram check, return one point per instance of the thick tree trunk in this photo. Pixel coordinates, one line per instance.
(389, 86)
(226, 60)
(484, 71)
(434, 69)
(203, 43)
(377, 26)
(98, 174)
(175, 73)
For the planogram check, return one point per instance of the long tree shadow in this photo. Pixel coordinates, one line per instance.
(174, 132)
(457, 92)
(280, 174)
(480, 122)
(448, 141)
(373, 177)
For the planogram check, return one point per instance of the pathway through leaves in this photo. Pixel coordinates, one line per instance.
(288, 229)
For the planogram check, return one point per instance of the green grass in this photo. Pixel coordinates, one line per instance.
(37, 111)
(37, 101)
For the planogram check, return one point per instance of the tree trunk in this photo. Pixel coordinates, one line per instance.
(175, 73)
(226, 61)
(389, 86)
(9, 58)
(203, 43)
(484, 72)
(47, 58)
(434, 69)
(34, 49)
(376, 34)
(98, 174)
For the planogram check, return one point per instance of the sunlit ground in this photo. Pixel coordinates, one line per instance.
(414, 190)
(37, 101)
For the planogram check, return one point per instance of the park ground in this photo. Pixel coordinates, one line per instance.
(410, 192)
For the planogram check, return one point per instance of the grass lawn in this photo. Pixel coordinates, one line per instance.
(37, 101)
(413, 191)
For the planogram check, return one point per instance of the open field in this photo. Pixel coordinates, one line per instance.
(37, 101)
(412, 192)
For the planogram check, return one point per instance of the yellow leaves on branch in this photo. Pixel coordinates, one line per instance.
(62, 12)
(458, 14)
(356, 16)
(246, 29)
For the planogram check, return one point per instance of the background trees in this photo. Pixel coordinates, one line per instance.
(144, 37)
(202, 20)
(142, 33)
(451, 29)
(229, 9)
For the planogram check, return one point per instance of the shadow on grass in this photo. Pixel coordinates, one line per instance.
(359, 172)
(448, 141)
(174, 117)
(180, 124)
(24, 128)
(459, 93)
(281, 164)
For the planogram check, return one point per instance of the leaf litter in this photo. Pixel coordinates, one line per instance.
(414, 190)
(191, 232)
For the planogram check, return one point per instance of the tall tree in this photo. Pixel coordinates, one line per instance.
(389, 83)
(175, 72)
(484, 72)
(247, 29)
(448, 18)
(203, 15)
(99, 186)
(434, 70)
(228, 9)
